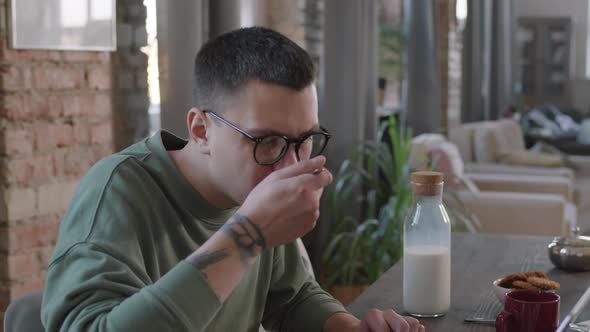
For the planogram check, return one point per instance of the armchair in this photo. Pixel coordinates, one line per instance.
(485, 146)
(502, 203)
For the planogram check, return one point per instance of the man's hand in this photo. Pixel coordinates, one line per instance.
(285, 205)
(281, 208)
(375, 321)
(388, 320)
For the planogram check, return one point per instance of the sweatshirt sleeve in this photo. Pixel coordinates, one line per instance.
(90, 289)
(105, 275)
(295, 301)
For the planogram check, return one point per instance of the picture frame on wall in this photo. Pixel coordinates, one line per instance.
(85, 25)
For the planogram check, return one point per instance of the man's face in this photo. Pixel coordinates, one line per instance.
(259, 109)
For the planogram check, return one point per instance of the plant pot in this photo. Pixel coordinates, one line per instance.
(347, 293)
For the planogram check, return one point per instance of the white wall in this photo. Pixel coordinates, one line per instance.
(578, 11)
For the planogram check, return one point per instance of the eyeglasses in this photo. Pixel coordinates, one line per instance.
(270, 149)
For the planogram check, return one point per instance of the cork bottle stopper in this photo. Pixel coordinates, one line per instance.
(427, 183)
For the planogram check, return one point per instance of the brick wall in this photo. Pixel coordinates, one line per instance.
(130, 89)
(55, 122)
(448, 43)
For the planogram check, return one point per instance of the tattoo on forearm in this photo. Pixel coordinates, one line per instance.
(204, 259)
(247, 236)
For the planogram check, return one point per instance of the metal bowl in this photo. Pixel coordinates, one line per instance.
(570, 253)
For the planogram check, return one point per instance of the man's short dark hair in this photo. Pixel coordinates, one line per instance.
(226, 63)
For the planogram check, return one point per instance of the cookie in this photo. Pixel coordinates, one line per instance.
(508, 280)
(545, 284)
(523, 285)
(538, 274)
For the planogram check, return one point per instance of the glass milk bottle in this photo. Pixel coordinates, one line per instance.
(427, 249)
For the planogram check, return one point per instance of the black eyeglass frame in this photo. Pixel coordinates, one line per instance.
(257, 139)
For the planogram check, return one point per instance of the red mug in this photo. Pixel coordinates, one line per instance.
(528, 310)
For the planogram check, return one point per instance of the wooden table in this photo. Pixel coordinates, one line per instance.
(476, 261)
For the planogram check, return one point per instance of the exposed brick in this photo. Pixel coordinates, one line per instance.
(50, 136)
(18, 203)
(49, 198)
(68, 190)
(16, 141)
(102, 133)
(15, 56)
(48, 229)
(18, 265)
(44, 255)
(55, 198)
(4, 301)
(103, 57)
(85, 105)
(101, 151)
(72, 105)
(77, 163)
(43, 106)
(12, 107)
(95, 105)
(81, 134)
(22, 236)
(101, 106)
(26, 56)
(11, 78)
(50, 139)
(99, 77)
(18, 171)
(80, 56)
(29, 285)
(27, 75)
(56, 77)
(44, 167)
(4, 242)
(59, 165)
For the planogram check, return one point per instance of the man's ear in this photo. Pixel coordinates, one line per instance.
(198, 127)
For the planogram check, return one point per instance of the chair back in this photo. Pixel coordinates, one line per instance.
(24, 314)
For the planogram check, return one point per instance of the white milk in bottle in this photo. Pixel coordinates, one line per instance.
(427, 250)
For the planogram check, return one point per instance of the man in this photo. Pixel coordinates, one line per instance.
(170, 235)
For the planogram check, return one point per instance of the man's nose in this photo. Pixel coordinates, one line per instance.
(289, 158)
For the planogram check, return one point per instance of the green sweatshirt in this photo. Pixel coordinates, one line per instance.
(119, 260)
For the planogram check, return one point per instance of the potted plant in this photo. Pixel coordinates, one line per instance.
(366, 237)
(367, 207)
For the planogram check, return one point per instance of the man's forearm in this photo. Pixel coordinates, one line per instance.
(228, 254)
(342, 321)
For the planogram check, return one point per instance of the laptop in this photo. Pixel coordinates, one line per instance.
(567, 322)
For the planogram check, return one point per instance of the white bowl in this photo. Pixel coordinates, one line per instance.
(500, 291)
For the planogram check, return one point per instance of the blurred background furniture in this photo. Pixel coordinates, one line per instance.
(498, 147)
(502, 203)
(564, 129)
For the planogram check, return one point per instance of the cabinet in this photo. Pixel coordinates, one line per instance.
(544, 60)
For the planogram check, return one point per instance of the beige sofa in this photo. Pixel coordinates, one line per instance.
(503, 203)
(484, 144)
